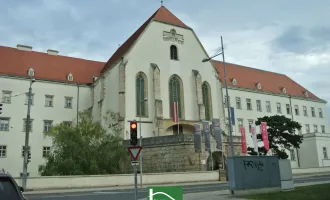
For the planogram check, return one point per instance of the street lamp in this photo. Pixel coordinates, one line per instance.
(228, 103)
(141, 102)
(27, 132)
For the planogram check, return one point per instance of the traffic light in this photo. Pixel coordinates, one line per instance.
(133, 130)
(1, 107)
(29, 157)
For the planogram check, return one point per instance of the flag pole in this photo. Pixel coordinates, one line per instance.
(177, 108)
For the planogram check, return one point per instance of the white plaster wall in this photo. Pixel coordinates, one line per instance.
(320, 143)
(151, 48)
(16, 111)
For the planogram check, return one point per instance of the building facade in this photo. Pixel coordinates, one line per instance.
(159, 64)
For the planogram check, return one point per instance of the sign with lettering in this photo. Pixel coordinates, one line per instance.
(206, 129)
(217, 132)
(197, 138)
(254, 138)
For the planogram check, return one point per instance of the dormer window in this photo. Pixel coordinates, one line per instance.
(284, 90)
(174, 52)
(306, 94)
(31, 72)
(259, 86)
(70, 77)
(234, 82)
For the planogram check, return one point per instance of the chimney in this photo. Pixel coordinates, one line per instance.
(52, 52)
(24, 47)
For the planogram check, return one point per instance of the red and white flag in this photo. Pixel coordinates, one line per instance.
(243, 140)
(175, 112)
(264, 134)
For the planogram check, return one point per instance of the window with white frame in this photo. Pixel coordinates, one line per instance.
(320, 113)
(296, 109)
(307, 128)
(29, 150)
(239, 123)
(238, 103)
(226, 100)
(313, 111)
(6, 96)
(3, 151)
(305, 111)
(49, 101)
(47, 125)
(325, 153)
(68, 102)
(248, 104)
(268, 106)
(259, 106)
(292, 155)
(4, 124)
(45, 151)
(27, 98)
(322, 128)
(315, 128)
(25, 124)
(288, 109)
(279, 109)
(250, 125)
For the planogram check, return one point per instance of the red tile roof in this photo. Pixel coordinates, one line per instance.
(17, 62)
(249, 78)
(161, 15)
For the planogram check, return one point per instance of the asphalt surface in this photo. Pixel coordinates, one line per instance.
(127, 194)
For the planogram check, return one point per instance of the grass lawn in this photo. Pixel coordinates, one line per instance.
(313, 192)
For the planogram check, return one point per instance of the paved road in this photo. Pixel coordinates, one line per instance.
(127, 194)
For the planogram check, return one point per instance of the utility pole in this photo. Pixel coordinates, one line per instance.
(27, 132)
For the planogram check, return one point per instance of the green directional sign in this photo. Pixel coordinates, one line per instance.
(165, 193)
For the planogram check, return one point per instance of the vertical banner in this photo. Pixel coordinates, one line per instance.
(217, 132)
(206, 129)
(232, 115)
(243, 140)
(264, 134)
(197, 138)
(254, 138)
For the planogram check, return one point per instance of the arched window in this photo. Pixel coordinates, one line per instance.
(206, 91)
(174, 52)
(176, 94)
(141, 95)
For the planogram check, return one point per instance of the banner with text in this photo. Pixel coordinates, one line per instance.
(254, 138)
(217, 132)
(264, 134)
(206, 129)
(197, 138)
(243, 140)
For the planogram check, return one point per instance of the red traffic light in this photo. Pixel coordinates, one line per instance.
(133, 125)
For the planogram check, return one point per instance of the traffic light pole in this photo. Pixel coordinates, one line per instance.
(27, 132)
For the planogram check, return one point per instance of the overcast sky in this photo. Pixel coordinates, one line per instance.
(288, 37)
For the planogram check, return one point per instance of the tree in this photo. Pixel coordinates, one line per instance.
(87, 148)
(281, 136)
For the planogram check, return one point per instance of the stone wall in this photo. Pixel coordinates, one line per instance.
(175, 153)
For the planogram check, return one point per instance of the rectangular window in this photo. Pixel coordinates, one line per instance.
(292, 155)
(47, 125)
(68, 102)
(279, 109)
(225, 99)
(305, 111)
(67, 123)
(238, 103)
(315, 128)
(29, 150)
(307, 128)
(250, 125)
(3, 151)
(24, 125)
(288, 109)
(6, 96)
(325, 153)
(320, 113)
(268, 106)
(49, 101)
(240, 123)
(45, 151)
(27, 99)
(259, 106)
(296, 109)
(248, 104)
(4, 124)
(313, 111)
(323, 128)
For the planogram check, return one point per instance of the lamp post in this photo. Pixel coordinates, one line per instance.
(140, 123)
(27, 132)
(228, 103)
